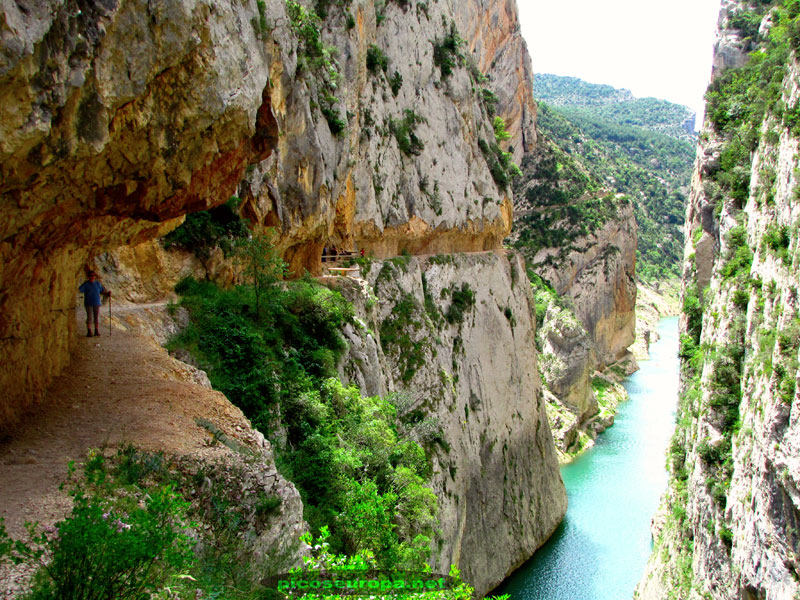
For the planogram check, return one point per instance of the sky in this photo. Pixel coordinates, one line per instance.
(659, 48)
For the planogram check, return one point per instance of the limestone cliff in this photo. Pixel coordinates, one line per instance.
(407, 169)
(493, 35)
(120, 116)
(117, 117)
(728, 524)
(580, 244)
(366, 127)
(596, 273)
(469, 366)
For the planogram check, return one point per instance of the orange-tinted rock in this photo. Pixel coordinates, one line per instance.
(112, 125)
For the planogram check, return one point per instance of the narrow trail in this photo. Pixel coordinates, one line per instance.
(116, 389)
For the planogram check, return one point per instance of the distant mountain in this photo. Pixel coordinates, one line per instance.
(595, 138)
(571, 91)
(574, 96)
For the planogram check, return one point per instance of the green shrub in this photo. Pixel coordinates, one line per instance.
(719, 492)
(404, 131)
(688, 347)
(739, 257)
(377, 61)
(112, 545)
(777, 240)
(259, 361)
(693, 309)
(677, 454)
(396, 336)
(490, 101)
(335, 122)
(714, 454)
(500, 133)
(202, 231)
(396, 82)
(462, 300)
(726, 535)
(260, 24)
(787, 386)
(446, 52)
(343, 451)
(544, 295)
(726, 384)
(741, 299)
(501, 166)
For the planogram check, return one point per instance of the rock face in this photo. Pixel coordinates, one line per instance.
(492, 31)
(597, 273)
(407, 171)
(472, 372)
(587, 330)
(729, 521)
(148, 273)
(580, 242)
(120, 116)
(117, 117)
(731, 45)
(568, 359)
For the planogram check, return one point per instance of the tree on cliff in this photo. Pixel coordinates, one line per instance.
(262, 265)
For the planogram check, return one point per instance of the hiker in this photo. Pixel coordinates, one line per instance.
(91, 290)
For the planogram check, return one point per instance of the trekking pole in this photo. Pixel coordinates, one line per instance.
(109, 314)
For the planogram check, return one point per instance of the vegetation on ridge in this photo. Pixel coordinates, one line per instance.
(611, 105)
(583, 151)
(357, 461)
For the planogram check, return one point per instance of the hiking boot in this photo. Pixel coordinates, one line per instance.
(97, 333)
(88, 334)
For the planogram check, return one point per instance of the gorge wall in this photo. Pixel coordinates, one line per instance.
(474, 377)
(119, 117)
(370, 128)
(580, 243)
(728, 525)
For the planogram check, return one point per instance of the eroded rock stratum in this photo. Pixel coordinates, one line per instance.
(473, 374)
(120, 116)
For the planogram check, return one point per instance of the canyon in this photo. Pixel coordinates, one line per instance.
(121, 117)
(375, 134)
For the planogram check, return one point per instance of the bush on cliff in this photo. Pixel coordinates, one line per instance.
(350, 456)
(118, 542)
(205, 230)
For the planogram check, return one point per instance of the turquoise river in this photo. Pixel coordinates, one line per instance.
(600, 550)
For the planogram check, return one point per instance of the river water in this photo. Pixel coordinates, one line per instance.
(600, 549)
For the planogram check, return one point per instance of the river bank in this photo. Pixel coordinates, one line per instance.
(601, 547)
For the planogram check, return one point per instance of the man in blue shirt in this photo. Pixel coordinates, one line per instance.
(91, 290)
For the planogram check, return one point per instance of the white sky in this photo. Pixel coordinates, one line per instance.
(659, 48)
